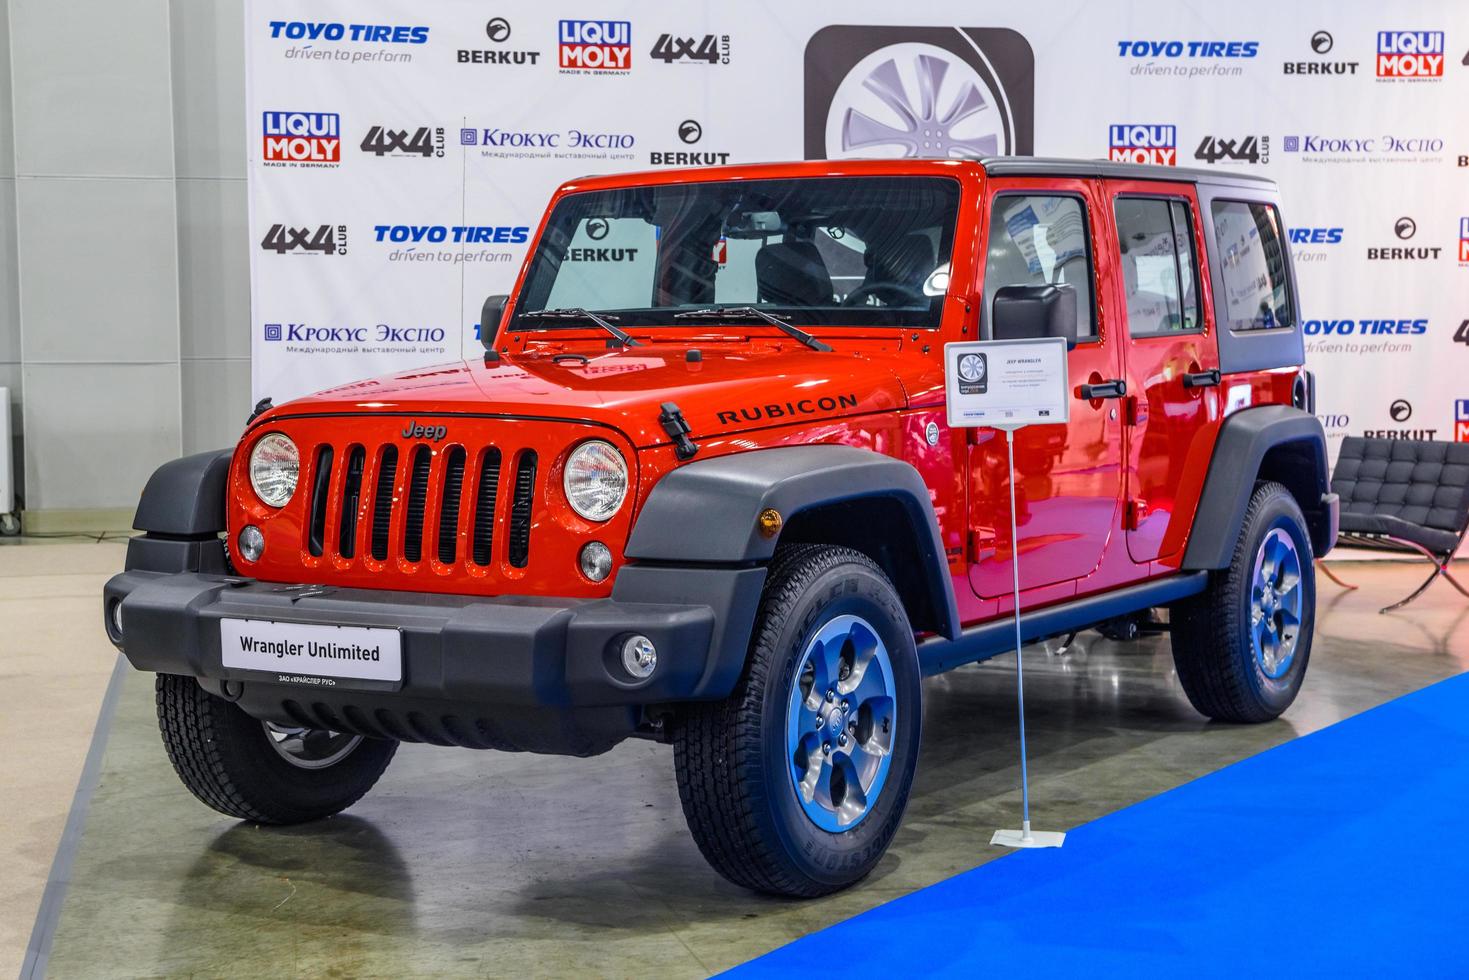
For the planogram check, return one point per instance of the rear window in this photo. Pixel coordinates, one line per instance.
(1252, 266)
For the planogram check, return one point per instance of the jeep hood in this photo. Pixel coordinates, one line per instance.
(724, 392)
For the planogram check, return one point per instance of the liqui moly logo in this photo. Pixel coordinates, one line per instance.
(1464, 241)
(302, 137)
(1410, 54)
(1461, 420)
(595, 45)
(1138, 143)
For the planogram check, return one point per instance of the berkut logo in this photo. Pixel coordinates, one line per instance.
(1321, 43)
(1412, 55)
(320, 240)
(1405, 228)
(597, 228)
(301, 139)
(1400, 410)
(498, 31)
(601, 46)
(1143, 143)
(1249, 149)
(421, 142)
(947, 92)
(711, 49)
(689, 132)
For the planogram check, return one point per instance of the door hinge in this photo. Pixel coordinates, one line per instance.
(1134, 513)
(1137, 410)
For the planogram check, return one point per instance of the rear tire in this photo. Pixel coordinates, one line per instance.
(242, 768)
(789, 789)
(1242, 645)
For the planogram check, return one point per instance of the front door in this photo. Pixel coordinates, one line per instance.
(1172, 362)
(1068, 477)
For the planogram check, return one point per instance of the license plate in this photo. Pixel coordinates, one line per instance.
(299, 652)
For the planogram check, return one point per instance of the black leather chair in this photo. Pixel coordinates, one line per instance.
(1404, 495)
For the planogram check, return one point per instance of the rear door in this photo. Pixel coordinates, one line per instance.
(1172, 360)
(1069, 477)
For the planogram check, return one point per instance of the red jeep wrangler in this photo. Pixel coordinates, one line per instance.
(701, 489)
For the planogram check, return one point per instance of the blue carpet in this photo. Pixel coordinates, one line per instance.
(1341, 853)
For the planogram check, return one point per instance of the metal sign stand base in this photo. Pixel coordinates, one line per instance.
(1024, 837)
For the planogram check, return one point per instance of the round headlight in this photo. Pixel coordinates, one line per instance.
(595, 480)
(275, 466)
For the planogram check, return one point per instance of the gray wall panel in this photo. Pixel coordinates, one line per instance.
(216, 394)
(214, 265)
(209, 87)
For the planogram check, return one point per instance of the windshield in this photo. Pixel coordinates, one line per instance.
(857, 251)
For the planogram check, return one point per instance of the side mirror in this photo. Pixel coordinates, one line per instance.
(1028, 312)
(489, 319)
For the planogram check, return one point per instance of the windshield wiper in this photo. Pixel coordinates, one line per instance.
(577, 313)
(751, 313)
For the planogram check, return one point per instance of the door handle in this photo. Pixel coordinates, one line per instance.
(1202, 379)
(1115, 388)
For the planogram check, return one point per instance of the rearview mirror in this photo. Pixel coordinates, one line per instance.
(1029, 312)
(489, 319)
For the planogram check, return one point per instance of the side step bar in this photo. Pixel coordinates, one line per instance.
(937, 654)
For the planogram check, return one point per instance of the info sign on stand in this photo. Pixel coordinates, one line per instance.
(1007, 385)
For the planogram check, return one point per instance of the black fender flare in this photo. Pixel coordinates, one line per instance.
(181, 515)
(707, 512)
(1278, 442)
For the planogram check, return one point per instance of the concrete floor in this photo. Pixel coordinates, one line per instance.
(463, 863)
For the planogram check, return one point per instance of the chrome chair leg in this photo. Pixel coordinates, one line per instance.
(1325, 569)
(1440, 567)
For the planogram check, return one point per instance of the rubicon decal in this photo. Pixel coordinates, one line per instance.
(1410, 54)
(301, 139)
(1139, 143)
(594, 45)
(782, 410)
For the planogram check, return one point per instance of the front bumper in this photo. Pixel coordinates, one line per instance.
(529, 673)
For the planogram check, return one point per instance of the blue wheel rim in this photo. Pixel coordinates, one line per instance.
(841, 721)
(1277, 598)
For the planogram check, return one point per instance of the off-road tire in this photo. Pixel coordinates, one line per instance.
(225, 759)
(733, 777)
(1211, 631)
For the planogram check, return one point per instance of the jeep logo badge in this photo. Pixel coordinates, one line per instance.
(417, 430)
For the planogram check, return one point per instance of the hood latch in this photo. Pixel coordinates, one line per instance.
(678, 430)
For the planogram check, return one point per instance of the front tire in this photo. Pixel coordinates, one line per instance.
(1242, 645)
(248, 769)
(796, 784)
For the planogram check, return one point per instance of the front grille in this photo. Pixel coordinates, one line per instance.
(473, 513)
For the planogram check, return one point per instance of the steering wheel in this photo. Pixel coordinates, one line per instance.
(858, 296)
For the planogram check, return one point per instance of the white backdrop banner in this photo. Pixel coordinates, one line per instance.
(401, 152)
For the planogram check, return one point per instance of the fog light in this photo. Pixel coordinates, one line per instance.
(252, 543)
(595, 560)
(639, 656)
(117, 617)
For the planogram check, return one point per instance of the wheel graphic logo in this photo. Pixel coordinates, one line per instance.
(690, 131)
(913, 99)
(1405, 228)
(498, 30)
(1321, 42)
(971, 367)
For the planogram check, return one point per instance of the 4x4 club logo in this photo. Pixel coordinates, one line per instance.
(689, 133)
(710, 49)
(1143, 143)
(307, 240)
(594, 46)
(945, 92)
(1410, 54)
(1321, 43)
(1248, 149)
(301, 139)
(497, 29)
(421, 142)
(1405, 228)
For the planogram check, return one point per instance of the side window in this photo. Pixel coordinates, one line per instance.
(1035, 240)
(1252, 266)
(1159, 277)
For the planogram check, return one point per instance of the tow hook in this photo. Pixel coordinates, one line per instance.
(678, 430)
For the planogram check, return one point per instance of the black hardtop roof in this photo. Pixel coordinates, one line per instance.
(1069, 167)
